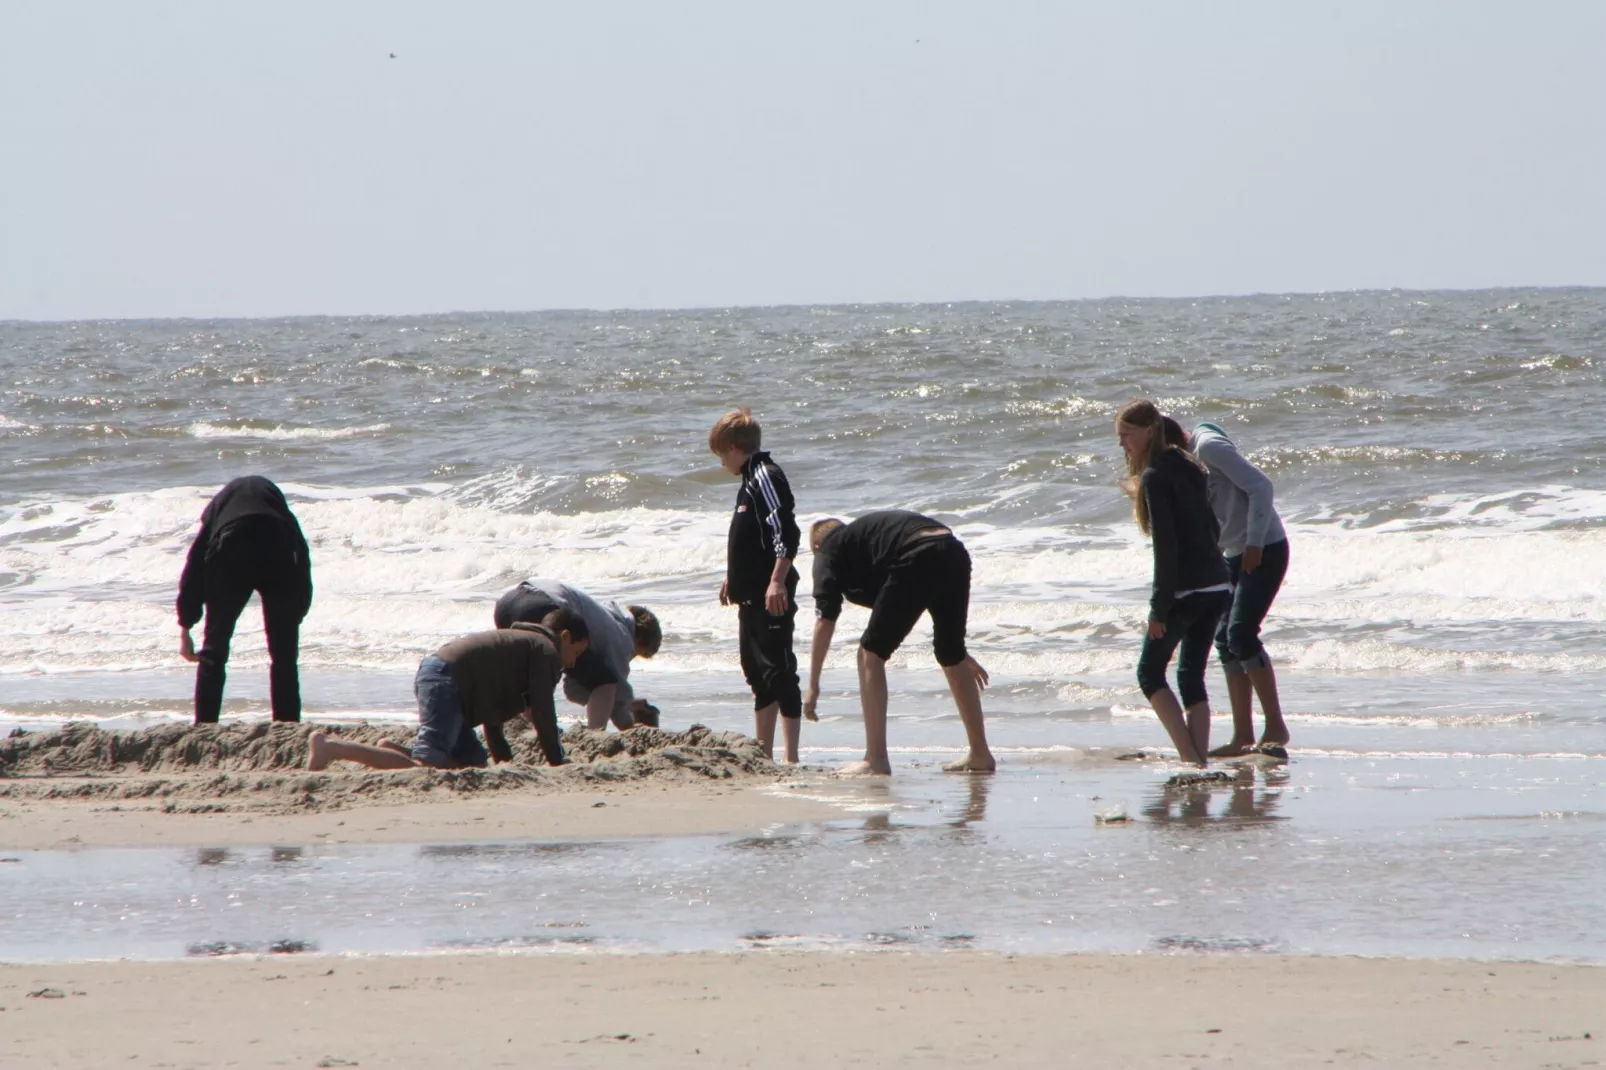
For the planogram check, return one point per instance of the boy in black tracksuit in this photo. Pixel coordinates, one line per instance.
(249, 541)
(759, 578)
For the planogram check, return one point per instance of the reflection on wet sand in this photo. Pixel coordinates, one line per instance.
(1253, 799)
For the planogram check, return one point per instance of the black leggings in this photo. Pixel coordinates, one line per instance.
(1190, 624)
(251, 556)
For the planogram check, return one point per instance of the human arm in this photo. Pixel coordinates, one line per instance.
(541, 712)
(780, 533)
(818, 647)
(192, 582)
(776, 600)
(186, 645)
(600, 705)
(496, 742)
(1163, 533)
(303, 566)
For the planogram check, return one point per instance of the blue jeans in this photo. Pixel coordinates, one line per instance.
(443, 737)
(1190, 624)
(1238, 638)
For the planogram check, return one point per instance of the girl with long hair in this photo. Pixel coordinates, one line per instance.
(1190, 589)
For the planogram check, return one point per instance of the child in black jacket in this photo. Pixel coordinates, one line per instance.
(759, 578)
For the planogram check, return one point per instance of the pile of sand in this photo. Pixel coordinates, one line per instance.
(224, 767)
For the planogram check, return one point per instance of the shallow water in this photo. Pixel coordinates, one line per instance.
(1407, 855)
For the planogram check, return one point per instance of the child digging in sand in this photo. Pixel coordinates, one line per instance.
(482, 679)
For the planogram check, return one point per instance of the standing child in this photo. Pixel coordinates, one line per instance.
(1256, 546)
(759, 578)
(1190, 591)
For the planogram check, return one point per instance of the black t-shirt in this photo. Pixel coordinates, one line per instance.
(854, 560)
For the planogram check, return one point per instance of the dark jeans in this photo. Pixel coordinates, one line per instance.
(251, 557)
(1238, 638)
(1190, 624)
(443, 739)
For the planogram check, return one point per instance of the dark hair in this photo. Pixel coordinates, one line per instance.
(649, 633)
(564, 619)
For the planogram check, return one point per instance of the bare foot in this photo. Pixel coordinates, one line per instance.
(390, 744)
(971, 764)
(863, 768)
(1235, 749)
(317, 751)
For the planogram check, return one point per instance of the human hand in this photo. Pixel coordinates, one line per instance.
(186, 646)
(1251, 559)
(775, 599)
(1157, 629)
(811, 699)
(980, 674)
(724, 592)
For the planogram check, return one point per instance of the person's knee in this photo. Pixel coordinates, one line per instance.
(870, 657)
(1258, 660)
(1151, 678)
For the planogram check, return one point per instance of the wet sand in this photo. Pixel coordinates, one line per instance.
(789, 1009)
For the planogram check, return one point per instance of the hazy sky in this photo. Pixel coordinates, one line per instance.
(209, 159)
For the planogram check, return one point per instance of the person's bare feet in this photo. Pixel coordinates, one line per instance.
(1235, 749)
(317, 751)
(971, 763)
(863, 768)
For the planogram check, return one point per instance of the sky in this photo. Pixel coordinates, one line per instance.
(386, 156)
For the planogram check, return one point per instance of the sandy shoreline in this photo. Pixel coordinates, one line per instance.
(618, 810)
(244, 784)
(797, 1009)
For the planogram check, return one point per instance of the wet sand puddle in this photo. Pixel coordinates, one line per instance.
(1339, 852)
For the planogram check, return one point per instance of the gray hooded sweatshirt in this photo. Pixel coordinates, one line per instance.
(1240, 494)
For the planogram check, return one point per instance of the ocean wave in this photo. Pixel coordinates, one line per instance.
(281, 433)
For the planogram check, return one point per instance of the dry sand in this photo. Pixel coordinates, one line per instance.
(777, 1009)
(246, 783)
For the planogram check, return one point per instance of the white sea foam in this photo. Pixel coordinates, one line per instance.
(282, 433)
(88, 585)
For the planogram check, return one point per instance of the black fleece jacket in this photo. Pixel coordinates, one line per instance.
(248, 500)
(1184, 529)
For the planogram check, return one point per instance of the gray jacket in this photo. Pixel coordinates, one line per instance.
(607, 659)
(1240, 494)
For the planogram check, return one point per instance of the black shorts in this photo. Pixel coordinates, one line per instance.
(767, 658)
(933, 575)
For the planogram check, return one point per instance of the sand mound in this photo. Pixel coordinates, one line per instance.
(223, 767)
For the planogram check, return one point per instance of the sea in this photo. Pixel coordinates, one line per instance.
(1438, 641)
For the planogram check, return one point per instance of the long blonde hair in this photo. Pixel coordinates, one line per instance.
(1167, 434)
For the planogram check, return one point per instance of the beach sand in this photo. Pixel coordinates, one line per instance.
(244, 784)
(784, 1009)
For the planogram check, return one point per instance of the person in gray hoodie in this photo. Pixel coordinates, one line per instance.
(1256, 548)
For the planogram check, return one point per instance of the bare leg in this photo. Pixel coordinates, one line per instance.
(391, 744)
(1243, 717)
(764, 728)
(1199, 727)
(1169, 711)
(962, 682)
(873, 704)
(321, 750)
(1264, 681)
(792, 727)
